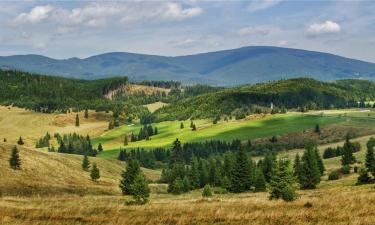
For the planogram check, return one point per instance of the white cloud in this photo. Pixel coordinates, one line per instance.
(328, 27)
(36, 15)
(258, 5)
(257, 31)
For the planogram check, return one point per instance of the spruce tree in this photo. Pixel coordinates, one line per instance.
(317, 129)
(319, 161)
(194, 174)
(260, 181)
(95, 173)
(177, 187)
(370, 159)
(20, 141)
(207, 193)
(297, 166)
(347, 155)
(15, 161)
(176, 153)
(186, 184)
(86, 114)
(282, 184)
(194, 128)
(241, 175)
(77, 120)
(310, 173)
(128, 176)
(85, 163)
(100, 147)
(182, 125)
(139, 189)
(363, 177)
(269, 164)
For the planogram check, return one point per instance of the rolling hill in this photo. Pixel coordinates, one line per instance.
(228, 67)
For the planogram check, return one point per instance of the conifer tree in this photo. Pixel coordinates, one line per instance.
(182, 125)
(260, 181)
(319, 161)
(269, 164)
(20, 141)
(282, 184)
(85, 163)
(194, 173)
(363, 177)
(95, 173)
(77, 120)
(128, 176)
(203, 173)
(241, 176)
(177, 187)
(100, 147)
(310, 174)
(186, 184)
(86, 114)
(110, 125)
(370, 158)
(156, 131)
(297, 166)
(176, 153)
(194, 128)
(207, 193)
(15, 161)
(347, 155)
(317, 129)
(139, 189)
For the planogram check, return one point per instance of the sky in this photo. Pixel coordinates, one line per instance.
(65, 29)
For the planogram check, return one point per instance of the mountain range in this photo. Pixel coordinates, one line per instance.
(228, 67)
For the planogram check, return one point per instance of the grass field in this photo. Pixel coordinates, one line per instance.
(242, 129)
(338, 202)
(16, 122)
(48, 173)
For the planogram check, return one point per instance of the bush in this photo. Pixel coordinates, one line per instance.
(345, 169)
(334, 175)
(288, 194)
(207, 191)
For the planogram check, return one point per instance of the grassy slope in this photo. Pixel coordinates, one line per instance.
(243, 130)
(334, 202)
(54, 173)
(15, 122)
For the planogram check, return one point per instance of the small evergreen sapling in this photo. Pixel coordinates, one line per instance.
(207, 193)
(140, 190)
(85, 163)
(15, 161)
(95, 173)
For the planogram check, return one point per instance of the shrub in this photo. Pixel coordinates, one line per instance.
(207, 191)
(334, 175)
(345, 169)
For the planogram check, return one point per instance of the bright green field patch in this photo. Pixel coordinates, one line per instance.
(226, 131)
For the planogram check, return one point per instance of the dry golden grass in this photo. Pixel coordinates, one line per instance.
(45, 173)
(16, 122)
(155, 106)
(339, 206)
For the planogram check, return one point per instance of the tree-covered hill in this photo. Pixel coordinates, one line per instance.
(299, 93)
(48, 94)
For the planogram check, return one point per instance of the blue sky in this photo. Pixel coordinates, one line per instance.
(79, 29)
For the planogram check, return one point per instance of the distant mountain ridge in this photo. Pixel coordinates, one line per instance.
(228, 67)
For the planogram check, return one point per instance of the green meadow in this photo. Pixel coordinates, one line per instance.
(227, 131)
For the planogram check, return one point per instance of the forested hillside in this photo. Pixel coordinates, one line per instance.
(300, 93)
(49, 94)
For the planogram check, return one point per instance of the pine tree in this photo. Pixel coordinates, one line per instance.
(85, 163)
(176, 153)
(194, 173)
(348, 149)
(310, 174)
(194, 128)
(177, 187)
(363, 177)
(269, 164)
(260, 181)
(186, 184)
(128, 176)
(319, 161)
(156, 131)
(297, 167)
(191, 123)
(77, 120)
(100, 147)
(182, 125)
(126, 142)
(370, 159)
(241, 176)
(86, 114)
(15, 161)
(317, 129)
(207, 193)
(20, 141)
(139, 189)
(282, 184)
(95, 173)
(110, 125)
